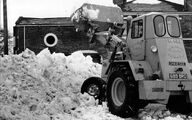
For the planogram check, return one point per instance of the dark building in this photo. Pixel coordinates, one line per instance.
(58, 34)
(164, 5)
(161, 7)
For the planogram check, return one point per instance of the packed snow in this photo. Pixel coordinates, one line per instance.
(90, 13)
(47, 87)
(86, 12)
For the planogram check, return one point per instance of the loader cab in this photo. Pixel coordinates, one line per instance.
(156, 38)
(148, 27)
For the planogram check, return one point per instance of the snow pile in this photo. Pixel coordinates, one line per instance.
(86, 12)
(47, 87)
(11, 44)
(90, 13)
(159, 112)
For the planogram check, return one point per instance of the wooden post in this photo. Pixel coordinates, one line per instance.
(5, 27)
(0, 14)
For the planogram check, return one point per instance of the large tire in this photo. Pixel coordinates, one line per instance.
(122, 94)
(94, 87)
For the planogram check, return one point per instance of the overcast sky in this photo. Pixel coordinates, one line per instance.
(51, 8)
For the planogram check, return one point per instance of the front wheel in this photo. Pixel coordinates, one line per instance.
(94, 90)
(122, 94)
(94, 87)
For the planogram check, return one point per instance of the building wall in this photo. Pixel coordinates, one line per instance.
(32, 37)
(186, 25)
(163, 6)
(188, 5)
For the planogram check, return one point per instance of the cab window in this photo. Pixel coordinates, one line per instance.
(137, 29)
(159, 26)
(173, 26)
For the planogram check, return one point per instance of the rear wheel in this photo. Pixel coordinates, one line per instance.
(122, 94)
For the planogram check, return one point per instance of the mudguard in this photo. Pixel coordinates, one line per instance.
(141, 70)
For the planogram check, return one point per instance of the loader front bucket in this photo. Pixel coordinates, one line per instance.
(99, 16)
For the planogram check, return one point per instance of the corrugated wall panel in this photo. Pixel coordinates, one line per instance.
(68, 40)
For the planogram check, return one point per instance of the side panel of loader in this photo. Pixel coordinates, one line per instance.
(148, 89)
(174, 64)
(140, 70)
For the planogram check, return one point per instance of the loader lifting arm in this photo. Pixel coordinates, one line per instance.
(110, 41)
(98, 22)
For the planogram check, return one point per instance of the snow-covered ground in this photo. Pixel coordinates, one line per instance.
(47, 87)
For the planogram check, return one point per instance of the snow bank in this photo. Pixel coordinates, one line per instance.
(90, 13)
(47, 86)
(86, 12)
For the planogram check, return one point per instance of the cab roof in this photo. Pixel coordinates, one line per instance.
(154, 13)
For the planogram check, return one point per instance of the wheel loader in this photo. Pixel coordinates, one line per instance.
(151, 65)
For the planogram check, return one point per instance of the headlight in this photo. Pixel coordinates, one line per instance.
(154, 49)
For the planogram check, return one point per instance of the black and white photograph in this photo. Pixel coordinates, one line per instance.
(95, 59)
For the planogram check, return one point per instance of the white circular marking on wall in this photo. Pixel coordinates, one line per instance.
(50, 39)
